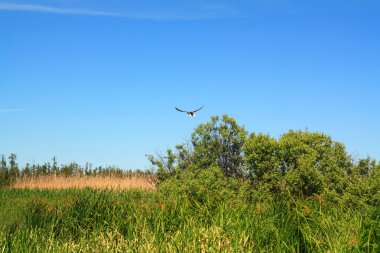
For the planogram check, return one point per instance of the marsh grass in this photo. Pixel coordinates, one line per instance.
(88, 220)
(131, 181)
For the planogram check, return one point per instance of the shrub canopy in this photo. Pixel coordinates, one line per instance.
(299, 163)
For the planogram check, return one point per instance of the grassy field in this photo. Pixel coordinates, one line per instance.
(102, 220)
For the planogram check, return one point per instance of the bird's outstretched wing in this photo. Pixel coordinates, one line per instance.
(198, 109)
(180, 110)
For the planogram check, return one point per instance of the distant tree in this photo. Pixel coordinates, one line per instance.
(98, 170)
(45, 169)
(39, 170)
(71, 169)
(13, 170)
(66, 170)
(4, 172)
(88, 168)
(54, 167)
(34, 169)
(26, 172)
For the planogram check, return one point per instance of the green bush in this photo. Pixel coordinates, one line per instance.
(299, 164)
(203, 186)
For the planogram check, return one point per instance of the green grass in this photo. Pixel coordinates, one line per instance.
(140, 221)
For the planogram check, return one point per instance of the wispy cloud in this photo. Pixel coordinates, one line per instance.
(210, 13)
(49, 9)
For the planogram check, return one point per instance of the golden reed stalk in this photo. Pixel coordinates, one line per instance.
(133, 181)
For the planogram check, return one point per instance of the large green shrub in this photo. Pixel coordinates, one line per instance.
(299, 163)
(203, 186)
(215, 143)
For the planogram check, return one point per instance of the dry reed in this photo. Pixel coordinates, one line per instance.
(133, 181)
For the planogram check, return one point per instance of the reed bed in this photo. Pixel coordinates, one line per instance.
(115, 182)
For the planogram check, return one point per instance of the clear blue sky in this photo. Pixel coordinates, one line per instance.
(97, 81)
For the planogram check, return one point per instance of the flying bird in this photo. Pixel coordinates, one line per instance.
(190, 113)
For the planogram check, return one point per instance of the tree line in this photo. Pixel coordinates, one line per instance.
(10, 170)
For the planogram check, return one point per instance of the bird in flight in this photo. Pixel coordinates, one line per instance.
(190, 113)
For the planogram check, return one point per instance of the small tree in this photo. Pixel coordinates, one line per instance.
(54, 167)
(219, 143)
(14, 170)
(4, 172)
(26, 172)
(166, 165)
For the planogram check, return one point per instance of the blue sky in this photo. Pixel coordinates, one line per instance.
(97, 81)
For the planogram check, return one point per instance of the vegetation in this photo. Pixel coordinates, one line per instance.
(227, 190)
(143, 221)
(146, 181)
(12, 176)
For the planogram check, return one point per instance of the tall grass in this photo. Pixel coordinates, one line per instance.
(87, 220)
(50, 181)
